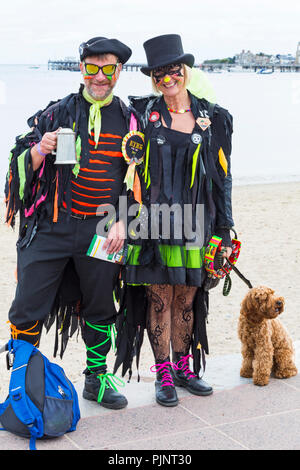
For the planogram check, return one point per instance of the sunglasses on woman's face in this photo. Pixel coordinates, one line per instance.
(93, 69)
(172, 69)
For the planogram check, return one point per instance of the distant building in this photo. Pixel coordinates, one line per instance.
(248, 58)
(262, 59)
(286, 59)
(283, 59)
(245, 58)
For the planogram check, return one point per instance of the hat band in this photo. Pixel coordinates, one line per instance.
(165, 61)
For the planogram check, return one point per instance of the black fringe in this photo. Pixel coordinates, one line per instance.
(66, 309)
(130, 326)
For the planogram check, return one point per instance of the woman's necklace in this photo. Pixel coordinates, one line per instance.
(178, 111)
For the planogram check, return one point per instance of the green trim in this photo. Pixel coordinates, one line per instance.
(146, 174)
(76, 167)
(107, 380)
(140, 284)
(194, 164)
(22, 173)
(173, 256)
(100, 360)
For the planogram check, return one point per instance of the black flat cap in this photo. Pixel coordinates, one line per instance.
(101, 45)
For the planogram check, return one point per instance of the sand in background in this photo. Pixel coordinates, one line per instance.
(268, 224)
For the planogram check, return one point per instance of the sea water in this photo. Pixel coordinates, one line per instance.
(265, 109)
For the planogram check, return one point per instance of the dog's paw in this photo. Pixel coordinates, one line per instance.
(285, 374)
(246, 373)
(261, 381)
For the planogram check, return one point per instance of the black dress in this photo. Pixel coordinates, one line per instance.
(181, 170)
(178, 260)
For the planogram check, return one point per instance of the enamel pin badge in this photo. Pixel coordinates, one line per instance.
(154, 116)
(204, 123)
(196, 138)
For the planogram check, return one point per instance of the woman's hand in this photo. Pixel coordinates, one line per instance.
(226, 251)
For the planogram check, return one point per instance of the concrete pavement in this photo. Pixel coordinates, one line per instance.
(237, 416)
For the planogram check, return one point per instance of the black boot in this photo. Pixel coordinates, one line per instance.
(165, 392)
(100, 385)
(184, 377)
(101, 388)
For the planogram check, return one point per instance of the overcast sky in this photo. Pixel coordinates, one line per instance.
(34, 31)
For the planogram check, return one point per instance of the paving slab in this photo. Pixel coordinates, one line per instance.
(277, 431)
(237, 416)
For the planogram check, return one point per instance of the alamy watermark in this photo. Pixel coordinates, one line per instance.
(160, 221)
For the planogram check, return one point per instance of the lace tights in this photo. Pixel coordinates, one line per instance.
(170, 319)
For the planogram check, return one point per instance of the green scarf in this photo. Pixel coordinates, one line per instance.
(95, 113)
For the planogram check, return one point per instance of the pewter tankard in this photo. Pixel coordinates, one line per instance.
(66, 148)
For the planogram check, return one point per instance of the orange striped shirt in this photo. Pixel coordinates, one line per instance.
(102, 178)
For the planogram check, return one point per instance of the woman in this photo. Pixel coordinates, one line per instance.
(187, 169)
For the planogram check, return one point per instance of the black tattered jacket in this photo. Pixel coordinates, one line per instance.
(44, 189)
(211, 177)
(37, 193)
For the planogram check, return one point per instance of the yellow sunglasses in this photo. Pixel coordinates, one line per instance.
(93, 69)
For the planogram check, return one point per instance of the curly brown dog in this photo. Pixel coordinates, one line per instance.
(266, 345)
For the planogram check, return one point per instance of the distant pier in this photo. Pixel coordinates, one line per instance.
(73, 66)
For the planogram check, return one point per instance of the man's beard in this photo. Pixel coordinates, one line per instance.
(94, 94)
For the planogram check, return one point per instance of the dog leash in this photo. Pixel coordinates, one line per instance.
(214, 260)
(227, 285)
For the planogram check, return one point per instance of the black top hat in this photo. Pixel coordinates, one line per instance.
(164, 50)
(102, 45)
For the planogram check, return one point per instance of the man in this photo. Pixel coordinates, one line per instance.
(61, 205)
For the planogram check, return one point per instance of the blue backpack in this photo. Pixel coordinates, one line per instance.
(42, 402)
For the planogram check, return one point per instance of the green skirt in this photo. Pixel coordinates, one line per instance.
(178, 265)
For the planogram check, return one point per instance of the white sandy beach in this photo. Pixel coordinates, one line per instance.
(268, 224)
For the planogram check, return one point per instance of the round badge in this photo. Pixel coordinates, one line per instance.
(196, 138)
(133, 147)
(157, 124)
(154, 116)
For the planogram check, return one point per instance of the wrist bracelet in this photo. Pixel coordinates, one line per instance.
(39, 150)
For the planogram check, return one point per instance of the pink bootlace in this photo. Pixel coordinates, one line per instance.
(167, 378)
(183, 364)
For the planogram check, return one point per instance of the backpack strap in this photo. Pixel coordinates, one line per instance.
(22, 351)
(32, 442)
